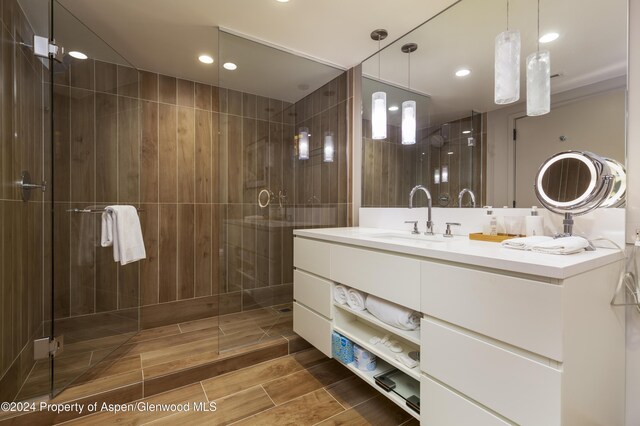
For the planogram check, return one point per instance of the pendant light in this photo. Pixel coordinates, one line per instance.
(303, 143)
(379, 99)
(409, 107)
(328, 147)
(507, 66)
(538, 79)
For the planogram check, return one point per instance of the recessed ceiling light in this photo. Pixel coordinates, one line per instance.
(230, 66)
(466, 132)
(450, 153)
(205, 59)
(77, 55)
(282, 1)
(463, 72)
(549, 37)
(393, 108)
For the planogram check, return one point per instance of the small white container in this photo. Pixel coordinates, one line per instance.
(534, 224)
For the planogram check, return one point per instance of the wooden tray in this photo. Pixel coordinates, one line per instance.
(492, 238)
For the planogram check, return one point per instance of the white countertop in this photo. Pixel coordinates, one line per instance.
(461, 249)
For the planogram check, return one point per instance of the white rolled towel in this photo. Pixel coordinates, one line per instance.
(356, 299)
(392, 314)
(563, 245)
(525, 243)
(340, 294)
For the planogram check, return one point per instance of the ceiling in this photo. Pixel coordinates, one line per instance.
(167, 36)
(592, 47)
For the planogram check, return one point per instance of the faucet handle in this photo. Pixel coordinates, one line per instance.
(447, 232)
(415, 226)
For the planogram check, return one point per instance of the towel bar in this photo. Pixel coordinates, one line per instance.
(92, 210)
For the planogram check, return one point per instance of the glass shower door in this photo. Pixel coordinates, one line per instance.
(96, 160)
(24, 214)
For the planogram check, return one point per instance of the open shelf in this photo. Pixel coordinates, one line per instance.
(412, 336)
(381, 367)
(359, 331)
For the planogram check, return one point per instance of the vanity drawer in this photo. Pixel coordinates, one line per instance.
(521, 312)
(391, 277)
(312, 256)
(312, 327)
(313, 292)
(518, 388)
(443, 407)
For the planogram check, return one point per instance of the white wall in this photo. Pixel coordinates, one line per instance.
(633, 207)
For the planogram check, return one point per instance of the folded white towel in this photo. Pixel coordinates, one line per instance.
(525, 243)
(121, 229)
(392, 314)
(562, 245)
(356, 299)
(340, 294)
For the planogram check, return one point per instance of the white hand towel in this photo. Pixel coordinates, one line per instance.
(562, 245)
(356, 299)
(121, 229)
(525, 243)
(392, 314)
(340, 294)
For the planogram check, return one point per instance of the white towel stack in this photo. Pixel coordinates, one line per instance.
(356, 299)
(563, 245)
(549, 245)
(525, 243)
(392, 314)
(121, 229)
(340, 294)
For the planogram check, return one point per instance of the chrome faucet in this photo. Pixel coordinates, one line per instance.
(471, 194)
(426, 191)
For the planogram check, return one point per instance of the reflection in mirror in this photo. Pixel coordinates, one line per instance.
(567, 180)
(588, 88)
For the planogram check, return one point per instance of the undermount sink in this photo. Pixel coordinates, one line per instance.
(412, 238)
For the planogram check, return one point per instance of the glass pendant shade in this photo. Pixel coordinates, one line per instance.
(328, 147)
(408, 122)
(379, 115)
(538, 83)
(445, 174)
(507, 67)
(436, 176)
(303, 143)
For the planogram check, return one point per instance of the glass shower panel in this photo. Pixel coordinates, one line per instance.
(24, 222)
(266, 189)
(96, 162)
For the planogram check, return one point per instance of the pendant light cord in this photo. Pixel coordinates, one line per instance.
(380, 59)
(538, 26)
(507, 15)
(409, 73)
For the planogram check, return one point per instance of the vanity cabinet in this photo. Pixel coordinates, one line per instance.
(498, 346)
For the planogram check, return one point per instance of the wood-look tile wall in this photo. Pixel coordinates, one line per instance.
(23, 271)
(391, 169)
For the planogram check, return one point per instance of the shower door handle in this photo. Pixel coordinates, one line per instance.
(26, 185)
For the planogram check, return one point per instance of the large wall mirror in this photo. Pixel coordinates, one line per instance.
(463, 138)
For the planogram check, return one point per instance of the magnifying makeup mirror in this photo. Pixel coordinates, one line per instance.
(574, 183)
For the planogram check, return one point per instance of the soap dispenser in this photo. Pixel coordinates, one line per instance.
(534, 224)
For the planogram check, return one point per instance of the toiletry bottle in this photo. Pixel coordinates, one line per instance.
(486, 221)
(534, 224)
(493, 226)
(501, 225)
